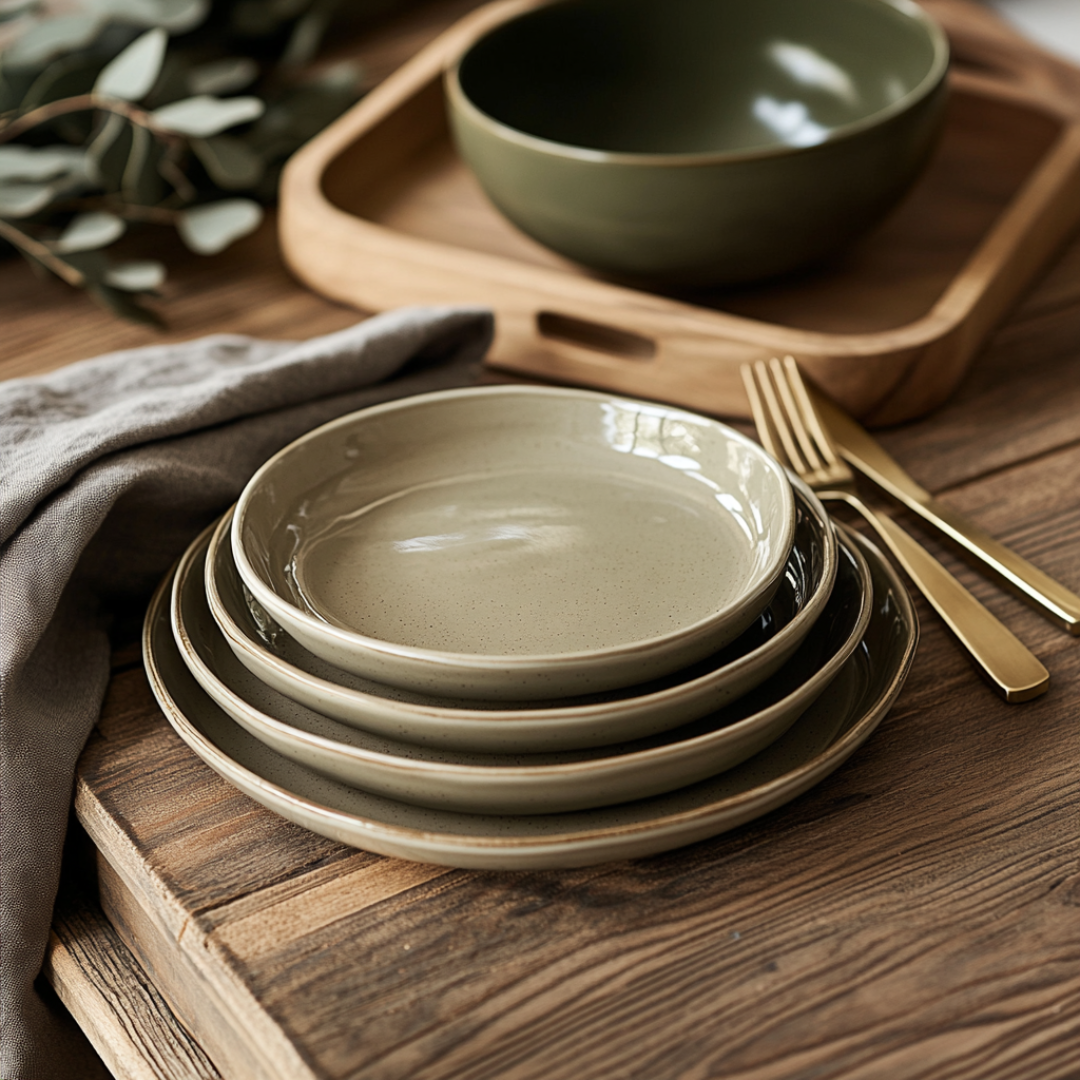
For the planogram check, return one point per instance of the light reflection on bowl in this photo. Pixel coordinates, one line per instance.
(699, 142)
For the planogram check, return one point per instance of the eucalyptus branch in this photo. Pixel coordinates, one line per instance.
(84, 103)
(202, 159)
(37, 250)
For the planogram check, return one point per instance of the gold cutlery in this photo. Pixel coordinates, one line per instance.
(859, 448)
(792, 431)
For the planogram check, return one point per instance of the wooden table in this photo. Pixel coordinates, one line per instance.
(916, 915)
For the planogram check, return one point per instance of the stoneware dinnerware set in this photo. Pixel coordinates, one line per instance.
(525, 627)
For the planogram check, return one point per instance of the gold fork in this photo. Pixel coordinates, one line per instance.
(792, 431)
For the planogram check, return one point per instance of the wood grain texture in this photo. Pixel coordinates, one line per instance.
(914, 917)
(921, 905)
(121, 1011)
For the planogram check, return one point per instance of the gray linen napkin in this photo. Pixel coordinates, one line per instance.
(107, 469)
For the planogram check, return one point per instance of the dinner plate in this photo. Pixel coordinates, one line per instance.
(840, 721)
(515, 542)
(519, 784)
(276, 658)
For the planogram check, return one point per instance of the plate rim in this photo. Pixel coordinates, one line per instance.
(564, 849)
(488, 664)
(563, 715)
(548, 781)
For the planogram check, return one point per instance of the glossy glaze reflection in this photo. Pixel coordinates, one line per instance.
(839, 722)
(515, 542)
(699, 142)
(520, 783)
(641, 710)
(517, 563)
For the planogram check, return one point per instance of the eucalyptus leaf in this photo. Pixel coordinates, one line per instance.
(185, 62)
(145, 275)
(306, 36)
(13, 86)
(343, 77)
(138, 157)
(142, 183)
(229, 161)
(94, 265)
(21, 199)
(47, 38)
(212, 227)
(224, 76)
(85, 232)
(19, 162)
(205, 115)
(12, 9)
(130, 75)
(176, 16)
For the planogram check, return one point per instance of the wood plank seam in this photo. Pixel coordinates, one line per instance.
(166, 910)
(123, 1014)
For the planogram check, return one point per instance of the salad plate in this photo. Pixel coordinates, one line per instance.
(271, 654)
(515, 542)
(840, 720)
(519, 783)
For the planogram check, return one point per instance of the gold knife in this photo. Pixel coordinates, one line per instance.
(861, 450)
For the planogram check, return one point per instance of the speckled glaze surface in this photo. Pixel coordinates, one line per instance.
(842, 718)
(518, 783)
(515, 542)
(274, 657)
(700, 142)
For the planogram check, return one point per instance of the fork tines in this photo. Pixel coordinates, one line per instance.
(788, 423)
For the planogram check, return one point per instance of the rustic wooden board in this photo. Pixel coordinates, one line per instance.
(914, 916)
(124, 1015)
(918, 906)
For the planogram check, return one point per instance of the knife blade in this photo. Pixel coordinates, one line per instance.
(864, 453)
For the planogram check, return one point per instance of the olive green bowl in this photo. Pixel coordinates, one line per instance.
(700, 142)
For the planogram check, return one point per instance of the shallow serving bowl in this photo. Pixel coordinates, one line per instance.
(699, 142)
(281, 662)
(520, 783)
(515, 543)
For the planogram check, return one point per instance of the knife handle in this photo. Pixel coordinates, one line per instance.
(863, 453)
(1014, 671)
(1014, 571)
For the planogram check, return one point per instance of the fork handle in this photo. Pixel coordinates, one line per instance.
(1013, 670)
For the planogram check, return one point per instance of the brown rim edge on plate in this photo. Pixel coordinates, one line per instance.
(572, 848)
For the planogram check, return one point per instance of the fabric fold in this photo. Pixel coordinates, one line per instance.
(110, 467)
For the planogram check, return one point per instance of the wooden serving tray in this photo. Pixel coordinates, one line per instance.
(378, 211)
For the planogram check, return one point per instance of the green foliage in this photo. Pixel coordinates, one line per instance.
(151, 113)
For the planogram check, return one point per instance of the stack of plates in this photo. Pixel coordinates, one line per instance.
(523, 627)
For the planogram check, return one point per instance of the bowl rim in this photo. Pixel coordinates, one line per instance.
(293, 616)
(935, 76)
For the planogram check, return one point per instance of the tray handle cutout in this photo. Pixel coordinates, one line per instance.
(599, 337)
